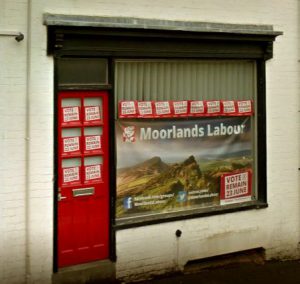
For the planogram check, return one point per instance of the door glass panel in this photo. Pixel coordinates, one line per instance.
(92, 110)
(95, 160)
(66, 163)
(71, 132)
(70, 102)
(93, 101)
(92, 139)
(93, 169)
(92, 131)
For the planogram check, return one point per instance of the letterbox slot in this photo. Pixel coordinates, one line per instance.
(83, 191)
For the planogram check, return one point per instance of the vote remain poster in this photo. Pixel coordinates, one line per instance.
(171, 165)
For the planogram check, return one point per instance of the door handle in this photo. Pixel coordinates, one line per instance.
(60, 197)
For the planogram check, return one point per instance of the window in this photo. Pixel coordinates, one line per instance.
(174, 164)
(85, 72)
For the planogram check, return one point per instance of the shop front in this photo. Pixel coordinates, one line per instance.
(155, 122)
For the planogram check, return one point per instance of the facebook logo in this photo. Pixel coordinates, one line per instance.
(128, 202)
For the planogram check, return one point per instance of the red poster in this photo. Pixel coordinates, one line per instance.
(245, 107)
(163, 109)
(213, 108)
(71, 144)
(180, 108)
(197, 108)
(92, 172)
(70, 115)
(71, 175)
(145, 109)
(229, 108)
(92, 142)
(92, 113)
(127, 109)
(236, 187)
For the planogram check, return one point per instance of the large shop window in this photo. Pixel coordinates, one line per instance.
(186, 136)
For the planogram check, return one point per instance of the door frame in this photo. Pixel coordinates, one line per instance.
(112, 160)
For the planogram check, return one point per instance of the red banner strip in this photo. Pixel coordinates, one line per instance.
(184, 108)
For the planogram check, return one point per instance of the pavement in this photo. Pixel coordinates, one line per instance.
(273, 272)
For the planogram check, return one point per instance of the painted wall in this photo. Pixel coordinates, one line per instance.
(26, 140)
(13, 111)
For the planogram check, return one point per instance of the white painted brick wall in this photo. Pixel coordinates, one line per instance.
(152, 249)
(12, 143)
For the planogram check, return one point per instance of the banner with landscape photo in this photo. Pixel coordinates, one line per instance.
(170, 165)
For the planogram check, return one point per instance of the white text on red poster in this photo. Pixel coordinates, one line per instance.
(71, 144)
(93, 172)
(71, 174)
(70, 114)
(92, 143)
(92, 113)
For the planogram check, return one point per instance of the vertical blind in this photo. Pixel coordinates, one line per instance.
(188, 79)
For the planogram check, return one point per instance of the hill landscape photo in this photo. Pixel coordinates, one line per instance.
(154, 179)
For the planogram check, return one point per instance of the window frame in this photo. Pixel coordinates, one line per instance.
(260, 180)
(71, 42)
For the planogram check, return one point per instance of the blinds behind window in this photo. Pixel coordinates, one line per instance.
(178, 80)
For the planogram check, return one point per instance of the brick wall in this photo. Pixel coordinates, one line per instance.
(152, 249)
(13, 17)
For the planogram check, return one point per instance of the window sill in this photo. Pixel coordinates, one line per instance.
(187, 214)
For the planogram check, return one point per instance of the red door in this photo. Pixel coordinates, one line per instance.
(83, 176)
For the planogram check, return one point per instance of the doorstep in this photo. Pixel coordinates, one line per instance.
(95, 272)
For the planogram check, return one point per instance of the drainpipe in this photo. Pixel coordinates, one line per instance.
(27, 149)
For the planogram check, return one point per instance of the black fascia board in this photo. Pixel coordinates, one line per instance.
(153, 43)
(67, 33)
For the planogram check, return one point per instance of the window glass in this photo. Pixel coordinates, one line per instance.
(178, 164)
(82, 71)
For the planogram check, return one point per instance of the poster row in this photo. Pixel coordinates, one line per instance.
(72, 175)
(72, 145)
(73, 115)
(185, 108)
